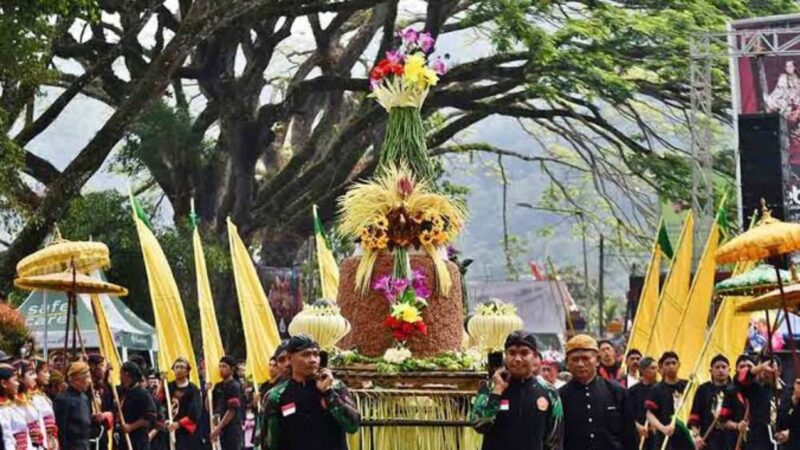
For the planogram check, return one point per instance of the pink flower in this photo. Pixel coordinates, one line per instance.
(410, 36)
(440, 66)
(426, 42)
(399, 286)
(394, 56)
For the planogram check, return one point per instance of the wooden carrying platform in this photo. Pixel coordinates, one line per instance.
(413, 410)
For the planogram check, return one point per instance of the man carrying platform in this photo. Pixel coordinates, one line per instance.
(519, 412)
(310, 410)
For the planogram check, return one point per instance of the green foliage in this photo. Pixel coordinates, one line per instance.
(27, 28)
(443, 361)
(163, 133)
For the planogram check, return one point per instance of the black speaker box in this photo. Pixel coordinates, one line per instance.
(763, 158)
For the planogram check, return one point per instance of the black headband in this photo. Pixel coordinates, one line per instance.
(299, 343)
(521, 338)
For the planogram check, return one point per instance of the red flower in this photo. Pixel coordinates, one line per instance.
(422, 328)
(385, 68)
(391, 322)
(408, 328)
(399, 335)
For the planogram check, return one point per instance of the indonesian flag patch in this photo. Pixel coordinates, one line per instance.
(288, 409)
(504, 404)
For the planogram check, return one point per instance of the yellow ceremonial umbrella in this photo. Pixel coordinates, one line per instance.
(773, 300)
(769, 239)
(62, 255)
(66, 282)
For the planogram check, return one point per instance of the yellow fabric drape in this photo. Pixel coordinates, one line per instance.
(648, 302)
(328, 269)
(212, 343)
(260, 330)
(108, 348)
(172, 333)
(693, 325)
(674, 295)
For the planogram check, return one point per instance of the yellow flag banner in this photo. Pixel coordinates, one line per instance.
(693, 324)
(260, 330)
(328, 269)
(648, 302)
(172, 333)
(674, 295)
(108, 348)
(209, 328)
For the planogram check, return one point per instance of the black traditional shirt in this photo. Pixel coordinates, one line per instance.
(136, 404)
(227, 396)
(761, 409)
(300, 417)
(527, 416)
(664, 399)
(707, 409)
(597, 416)
(186, 412)
(74, 419)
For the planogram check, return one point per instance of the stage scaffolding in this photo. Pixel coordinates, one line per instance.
(706, 49)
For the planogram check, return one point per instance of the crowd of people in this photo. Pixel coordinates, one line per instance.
(303, 406)
(604, 406)
(590, 400)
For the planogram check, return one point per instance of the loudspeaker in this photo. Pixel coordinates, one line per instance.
(763, 159)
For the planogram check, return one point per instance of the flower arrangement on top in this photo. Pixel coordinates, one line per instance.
(407, 298)
(405, 75)
(394, 212)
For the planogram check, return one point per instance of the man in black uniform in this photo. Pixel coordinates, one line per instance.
(638, 395)
(664, 399)
(185, 398)
(520, 412)
(705, 421)
(103, 400)
(789, 419)
(138, 407)
(310, 410)
(72, 410)
(597, 414)
(757, 386)
(735, 406)
(227, 397)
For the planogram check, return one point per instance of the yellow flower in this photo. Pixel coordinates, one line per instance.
(416, 73)
(430, 77)
(406, 313)
(425, 237)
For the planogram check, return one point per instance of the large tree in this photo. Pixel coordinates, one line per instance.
(275, 97)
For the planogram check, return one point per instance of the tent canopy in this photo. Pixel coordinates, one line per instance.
(128, 329)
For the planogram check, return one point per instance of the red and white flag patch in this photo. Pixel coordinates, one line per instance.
(504, 405)
(288, 409)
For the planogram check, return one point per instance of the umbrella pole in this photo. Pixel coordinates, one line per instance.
(769, 332)
(66, 331)
(792, 343)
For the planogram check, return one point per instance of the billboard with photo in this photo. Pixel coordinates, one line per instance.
(770, 83)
